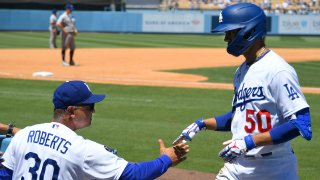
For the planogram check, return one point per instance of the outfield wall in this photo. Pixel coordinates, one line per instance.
(151, 22)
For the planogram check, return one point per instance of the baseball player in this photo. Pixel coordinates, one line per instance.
(66, 24)
(53, 29)
(268, 107)
(54, 151)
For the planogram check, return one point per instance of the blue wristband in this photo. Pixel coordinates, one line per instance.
(200, 123)
(249, 142)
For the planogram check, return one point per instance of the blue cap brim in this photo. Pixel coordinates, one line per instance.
(95, 98)
(226, 27)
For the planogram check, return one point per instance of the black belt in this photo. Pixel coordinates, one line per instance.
(259, 155)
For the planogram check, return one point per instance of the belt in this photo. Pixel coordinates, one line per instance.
(258, 155)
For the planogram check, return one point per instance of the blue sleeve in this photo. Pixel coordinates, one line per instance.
(283, 133)
(146, 170)
(293, 128)
(5, 173)
(224, 122)
(303, 123)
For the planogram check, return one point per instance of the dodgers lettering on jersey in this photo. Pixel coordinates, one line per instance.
(245, 95)
(49, 140)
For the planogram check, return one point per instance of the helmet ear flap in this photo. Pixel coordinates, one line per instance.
(247, 35)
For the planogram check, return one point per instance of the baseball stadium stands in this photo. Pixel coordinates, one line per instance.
(269, 6)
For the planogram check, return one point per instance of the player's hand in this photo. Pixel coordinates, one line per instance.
(189, 132)
(234, 149)
(75, 32)
(176, 153)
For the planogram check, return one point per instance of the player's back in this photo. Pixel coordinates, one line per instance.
(49, 151)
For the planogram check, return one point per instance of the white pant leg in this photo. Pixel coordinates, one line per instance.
(278, 166)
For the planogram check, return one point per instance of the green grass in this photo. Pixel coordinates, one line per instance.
(120, 40)
(132, 118)
(307, 72)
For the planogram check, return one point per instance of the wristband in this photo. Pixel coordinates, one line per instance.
(249, 142)
(200, 123)
(10, 130)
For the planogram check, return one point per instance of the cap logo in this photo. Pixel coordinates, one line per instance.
(220, 17)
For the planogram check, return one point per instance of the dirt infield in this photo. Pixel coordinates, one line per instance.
(139, 66)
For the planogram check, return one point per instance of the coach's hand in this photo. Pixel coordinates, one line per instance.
(176, 153)
(189, 132)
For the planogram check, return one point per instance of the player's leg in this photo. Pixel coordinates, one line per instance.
(229, 171)
(278, 165)
(54, 39)
(51, 43)
(63, 49)
(72, 50)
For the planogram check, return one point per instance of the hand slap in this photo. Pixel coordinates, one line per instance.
(176, 153)
(189, 132)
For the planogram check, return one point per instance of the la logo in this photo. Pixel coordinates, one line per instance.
(292, 93)
(220, 17)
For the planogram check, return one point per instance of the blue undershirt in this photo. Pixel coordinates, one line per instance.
(6, 173)
(146, 170)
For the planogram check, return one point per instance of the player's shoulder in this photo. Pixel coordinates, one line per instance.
(62, 16)
(274, 63)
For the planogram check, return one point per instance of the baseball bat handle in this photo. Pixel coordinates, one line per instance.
(191, 134)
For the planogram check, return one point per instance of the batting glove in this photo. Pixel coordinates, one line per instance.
(236, 148)
(189, 132)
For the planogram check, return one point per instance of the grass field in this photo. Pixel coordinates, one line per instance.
(305, 70)
(132, 118)
(114, 40)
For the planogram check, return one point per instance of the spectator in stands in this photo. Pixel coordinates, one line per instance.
(173, 5)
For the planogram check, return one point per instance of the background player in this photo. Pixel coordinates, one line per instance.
(54, 151)
(268, 107)
(53, 29)
(69, 30)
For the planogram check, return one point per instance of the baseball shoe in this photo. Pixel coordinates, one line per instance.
(72, 63)
(64, 63)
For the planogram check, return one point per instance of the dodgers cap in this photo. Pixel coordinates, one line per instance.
(69, 6)
(73, 93)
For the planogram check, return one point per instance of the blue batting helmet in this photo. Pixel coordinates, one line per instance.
(247, 17)
(69, 6)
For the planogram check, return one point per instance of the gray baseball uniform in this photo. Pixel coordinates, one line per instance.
(69, 27)
(53, 31)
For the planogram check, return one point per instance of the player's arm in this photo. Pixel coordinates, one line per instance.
(5, 173)
(60, 26)
(8, 129)
(299, 123)
(155, 168)
(218, 123)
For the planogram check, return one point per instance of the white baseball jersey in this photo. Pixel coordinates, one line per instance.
(67, 22)
(52, 20)
(53, 151)
(266, 94)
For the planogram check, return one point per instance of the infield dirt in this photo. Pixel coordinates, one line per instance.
(134, 66)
